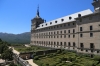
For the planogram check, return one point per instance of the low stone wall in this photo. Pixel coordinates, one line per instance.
(30, 55)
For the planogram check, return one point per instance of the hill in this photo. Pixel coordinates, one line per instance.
(23, 38)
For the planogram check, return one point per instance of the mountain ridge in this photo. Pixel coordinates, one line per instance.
(23, 38)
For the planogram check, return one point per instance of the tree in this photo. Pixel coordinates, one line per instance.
(0, 40)
(3, 47)
(7, 55)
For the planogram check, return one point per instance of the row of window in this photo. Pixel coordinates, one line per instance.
(58, 32)
(56, 22)
(91, 45)
(45, 43)
(91, 35)
(55, 43)
(91, 28)
(60, 36)
(91, 50)
(56, 26)
(65, 44)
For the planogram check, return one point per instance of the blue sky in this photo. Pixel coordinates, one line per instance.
(16, 15)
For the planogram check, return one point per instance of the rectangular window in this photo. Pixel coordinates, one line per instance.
(73, 30)
(57, 26)
(51, 36)
(57, 32)
(57, 36)
(91, 34)
(74, 44)
(81, 29)
(64, 36)
(80, 20)
(61, 36)
(68, 31)
(68, 36)
(64, 24)
(60, 25)
(64, 31)
(81, 35)
(61, 32)
(68, 43)
(54, 36)
(92, 45)
(73, 36)
(68, 24)
(73, 23)
(86, 50)
(81, 45)
(91, 28)
(54, 32)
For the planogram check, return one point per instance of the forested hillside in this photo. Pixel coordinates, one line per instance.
(23, 38)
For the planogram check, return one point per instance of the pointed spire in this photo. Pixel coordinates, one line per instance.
(37, 15)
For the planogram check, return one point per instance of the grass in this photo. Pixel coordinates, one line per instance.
(29, 49)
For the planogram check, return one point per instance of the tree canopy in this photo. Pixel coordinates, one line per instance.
(5, 52)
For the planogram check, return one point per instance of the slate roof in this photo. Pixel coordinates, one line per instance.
(65, 19)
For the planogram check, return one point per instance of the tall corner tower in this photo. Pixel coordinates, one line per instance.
(96, 4)
(35, 22)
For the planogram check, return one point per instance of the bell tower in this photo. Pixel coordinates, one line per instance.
(35, 22)
(96, 4)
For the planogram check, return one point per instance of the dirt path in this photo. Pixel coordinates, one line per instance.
(14, 51)
(30, 60)
(2, 61)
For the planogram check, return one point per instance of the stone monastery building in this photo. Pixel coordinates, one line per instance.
(79, 32)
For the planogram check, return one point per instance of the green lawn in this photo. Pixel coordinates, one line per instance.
(27, 49)
(59, 59)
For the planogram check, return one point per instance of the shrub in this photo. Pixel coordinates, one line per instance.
(86, 55)
(97, 58)
(34, 54)
(58, 51)
(54, 54)
(98, 64)
(88, 63)
(46, 64)
(54, 64)
(40, 64)
(12, 64)
(63, 59)
(59, 60)
(36, 57)
(95, 63)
